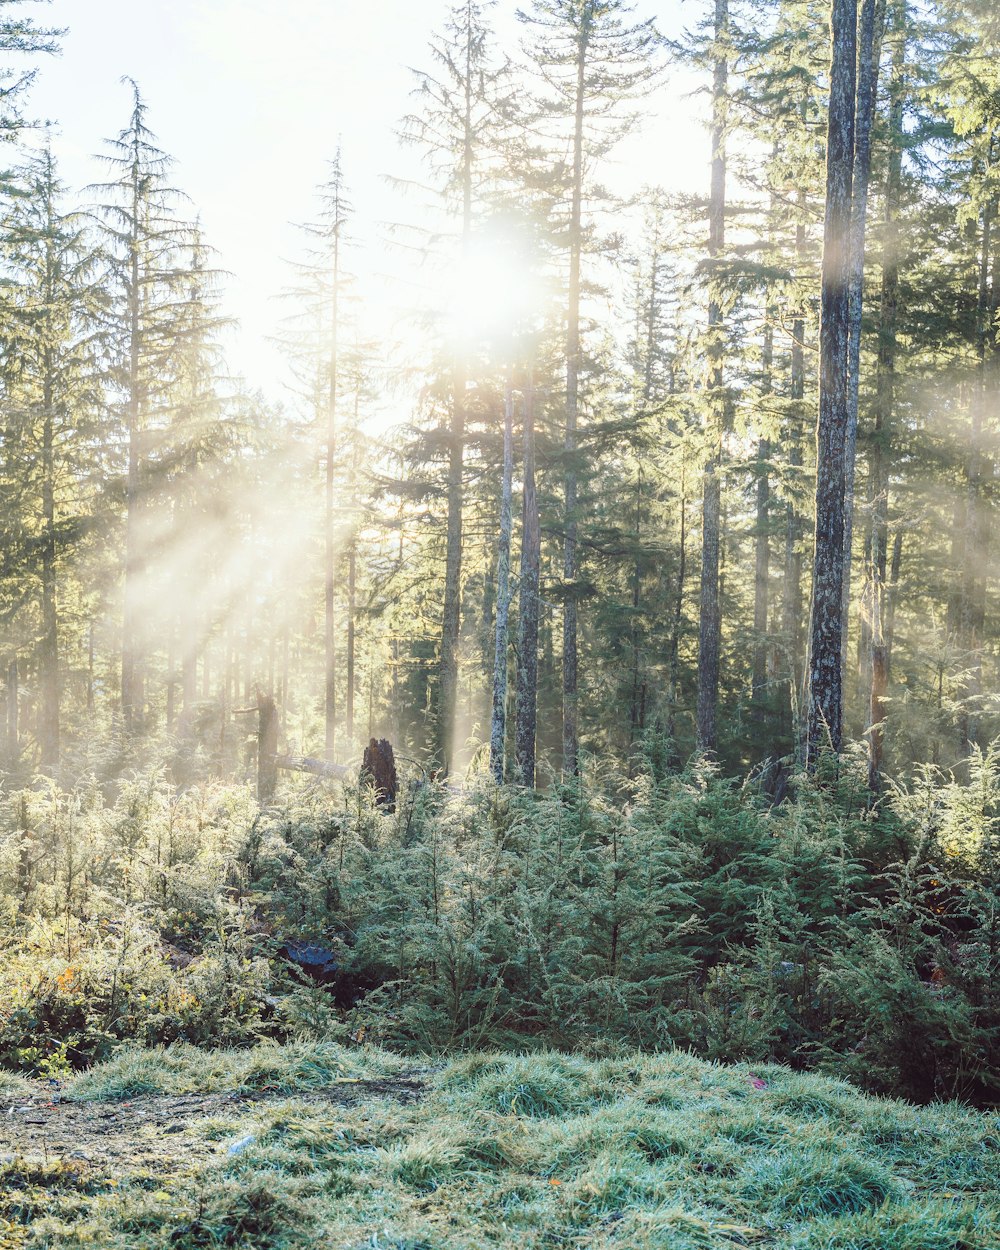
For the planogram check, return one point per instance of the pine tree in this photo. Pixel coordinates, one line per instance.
(19, 36)
(825, 717)
(710, 619)
(590, 60)
(464, 101)
(146, 243)
(51, 380)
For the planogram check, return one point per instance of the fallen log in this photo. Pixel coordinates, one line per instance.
(307, 764)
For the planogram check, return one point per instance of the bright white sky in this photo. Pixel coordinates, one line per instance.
(251, 97)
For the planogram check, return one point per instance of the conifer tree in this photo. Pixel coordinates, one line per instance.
(51, 383)
(19, 37)
(464, 100)
(710, 620)
(825, 715)
(145, 242)
(590, 60)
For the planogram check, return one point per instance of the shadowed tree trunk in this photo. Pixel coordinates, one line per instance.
(791, 599)
(971, 603)
(673, 662)
(872, 22)
(825, 713)
(762, 556)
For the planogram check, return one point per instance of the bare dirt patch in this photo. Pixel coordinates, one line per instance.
(140, 1131)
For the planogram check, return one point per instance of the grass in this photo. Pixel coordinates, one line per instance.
(656, 1152)
(182, 1069)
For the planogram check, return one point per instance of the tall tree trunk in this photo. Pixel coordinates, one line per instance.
(526, 703)
(674, 654)
(90, 669)
(637, 699)
(877, 665)
(48, 660)
(171, 708)
(330, 563)
(762, 556)
(451, 618)
(825, 715)
(975, 554)
(498, 720)
(570, 658)
(131, 672)
(869, 53)
(452, 608)
(791, 600)
(352, 595)
(710, 617)
(13, 699)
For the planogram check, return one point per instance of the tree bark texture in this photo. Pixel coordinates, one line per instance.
(825, 715)
(872, 14)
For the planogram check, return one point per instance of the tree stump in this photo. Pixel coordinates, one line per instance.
(379, 767)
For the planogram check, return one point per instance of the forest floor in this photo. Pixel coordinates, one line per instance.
(321, 1146)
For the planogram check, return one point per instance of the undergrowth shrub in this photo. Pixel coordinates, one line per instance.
(668, 910)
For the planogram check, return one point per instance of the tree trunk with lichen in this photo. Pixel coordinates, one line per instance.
(824, 728)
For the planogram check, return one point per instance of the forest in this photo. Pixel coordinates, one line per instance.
(531, 774)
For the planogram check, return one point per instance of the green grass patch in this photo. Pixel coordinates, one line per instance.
(184, 1069)
(658, 1152)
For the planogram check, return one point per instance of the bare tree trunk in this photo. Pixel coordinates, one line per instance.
(171, 709)
(791, 603)
(762, 555)
(974, 561)
(526, 703)
(90, 669)
(13, 729)
(498, 720)
(673, 657)
(49, 649)
(869, 53)
(451, 622)
(879, 633)
(710, 618)
(825, 714)
(570, 658)
(636, 703)
(452, 610)
(330, 564)
(352, 595)
(131, 672)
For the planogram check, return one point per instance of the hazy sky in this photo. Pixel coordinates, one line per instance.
(251, 96)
